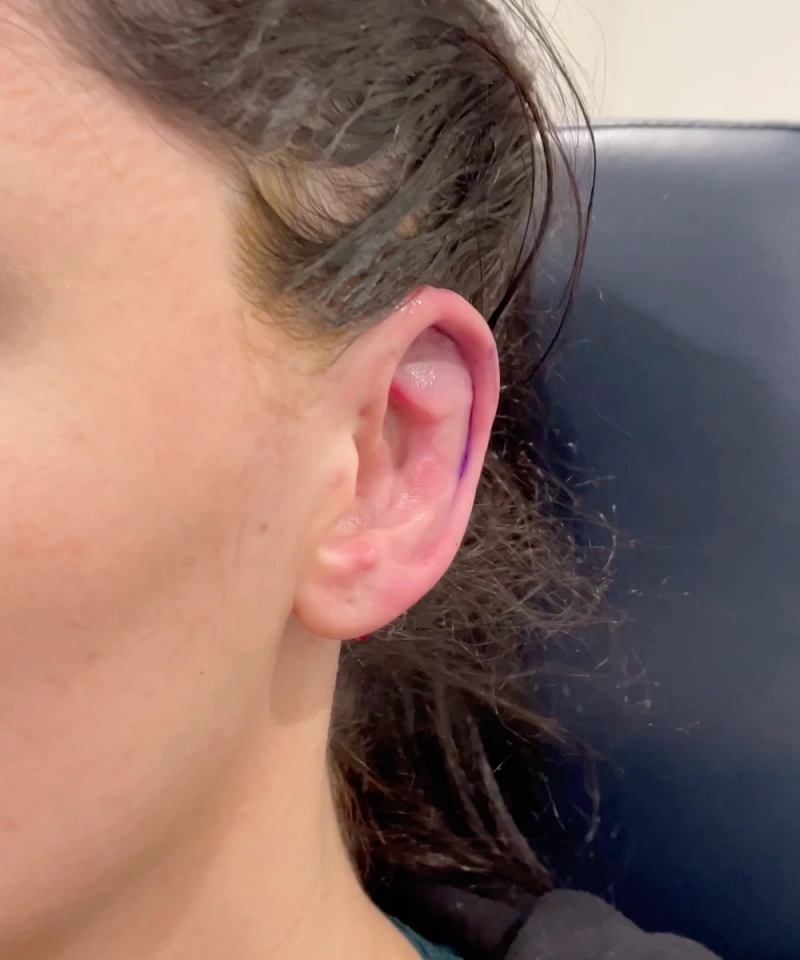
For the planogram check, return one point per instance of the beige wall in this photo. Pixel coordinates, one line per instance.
(689, 59)
(585, 31)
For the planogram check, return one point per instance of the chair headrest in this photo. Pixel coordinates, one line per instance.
(680, 390)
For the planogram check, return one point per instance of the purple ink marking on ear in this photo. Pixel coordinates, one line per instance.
(465, 459)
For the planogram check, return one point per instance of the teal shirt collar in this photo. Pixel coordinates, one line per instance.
(428, 951)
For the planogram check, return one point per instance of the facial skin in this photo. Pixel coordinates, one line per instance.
(195, 511)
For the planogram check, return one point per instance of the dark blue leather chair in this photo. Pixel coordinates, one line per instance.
(678, 392)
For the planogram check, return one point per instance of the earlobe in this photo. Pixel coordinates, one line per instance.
(420, 427)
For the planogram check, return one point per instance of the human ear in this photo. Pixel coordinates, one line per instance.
(420, 391)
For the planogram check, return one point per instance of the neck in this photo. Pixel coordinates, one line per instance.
(259, 873)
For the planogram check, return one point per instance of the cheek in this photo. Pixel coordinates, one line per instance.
(106, 485)
(134, 494)
(140, 508)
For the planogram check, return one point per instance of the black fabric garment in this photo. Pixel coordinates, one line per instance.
(563, 925)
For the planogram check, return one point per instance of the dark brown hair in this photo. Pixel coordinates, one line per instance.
(386, 144)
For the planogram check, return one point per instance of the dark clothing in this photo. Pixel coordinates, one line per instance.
(563, 925)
